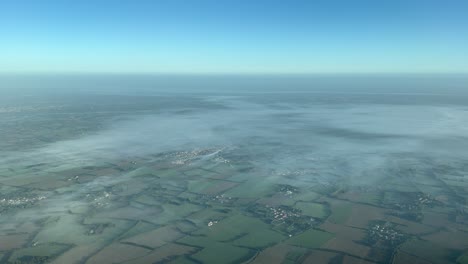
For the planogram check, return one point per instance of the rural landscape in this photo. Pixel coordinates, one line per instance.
(77, 188)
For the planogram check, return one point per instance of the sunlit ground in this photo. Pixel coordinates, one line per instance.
(217, 178)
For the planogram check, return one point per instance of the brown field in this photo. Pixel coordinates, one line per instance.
(318, 256)
(347, 246)
(449, 238)
(410, 227)
(163, 253)
(353, 260)
(361, 215)
(117, 252)
(77, 254)
(9, 242)
(405, 258)
(274, 255)
(435, 219)
(155, 238)
(344, 232)
(428, 251)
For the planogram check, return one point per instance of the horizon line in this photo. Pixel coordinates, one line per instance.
(149, 73)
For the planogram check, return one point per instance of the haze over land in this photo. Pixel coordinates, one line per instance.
(94, 171)
(234, 131)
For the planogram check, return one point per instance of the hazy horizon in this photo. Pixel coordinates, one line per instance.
(233, 131)
(228, 36)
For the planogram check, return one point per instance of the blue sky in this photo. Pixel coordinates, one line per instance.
(234, 36)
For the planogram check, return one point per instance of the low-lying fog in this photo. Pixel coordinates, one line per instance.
(353, 137)
(356, 139)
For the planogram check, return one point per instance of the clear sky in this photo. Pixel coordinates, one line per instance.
(234, 36)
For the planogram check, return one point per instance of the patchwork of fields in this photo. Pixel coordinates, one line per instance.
(254, 200)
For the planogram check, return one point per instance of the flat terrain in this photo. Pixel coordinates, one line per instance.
(294, 178)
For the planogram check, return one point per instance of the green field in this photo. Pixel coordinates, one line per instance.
(312, 209)
(216, 252)
(259, 239)
(232, 227)
(311, 238)
(428, 250)
(340, 214)
(463, 259)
